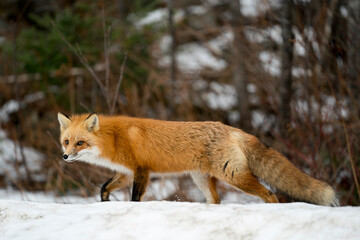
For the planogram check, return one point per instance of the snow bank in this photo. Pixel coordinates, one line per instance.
(174, 220)
(10, 153)
(13, 106)
(254, 8)
(216, 95)
(192, 57)
(330, 109)
(271, 63)
(256, 35)
(158, 16)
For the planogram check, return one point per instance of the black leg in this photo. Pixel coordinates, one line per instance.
(141, 179)
(104, 194)
(136, 193)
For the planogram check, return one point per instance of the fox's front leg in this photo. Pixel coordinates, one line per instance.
(141, 180)
(117, 182)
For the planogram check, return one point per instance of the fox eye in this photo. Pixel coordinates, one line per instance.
(66, 142)
(79, 143)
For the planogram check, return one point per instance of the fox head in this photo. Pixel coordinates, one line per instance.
(77, 136)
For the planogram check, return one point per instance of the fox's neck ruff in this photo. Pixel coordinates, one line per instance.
(92, 155)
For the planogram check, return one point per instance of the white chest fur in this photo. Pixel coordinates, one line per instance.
(92, 156)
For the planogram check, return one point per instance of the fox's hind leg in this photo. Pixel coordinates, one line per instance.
(207, 185)
(117, 182)
(247, 182)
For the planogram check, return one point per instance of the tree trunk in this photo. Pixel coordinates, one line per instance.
(239, 76)
(172, 80)
(122, 9)
(353, 56)
(286, 65)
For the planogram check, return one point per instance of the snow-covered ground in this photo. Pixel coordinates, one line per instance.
(241, 216)
(176, 220)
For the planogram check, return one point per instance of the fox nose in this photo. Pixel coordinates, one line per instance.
(65, 156)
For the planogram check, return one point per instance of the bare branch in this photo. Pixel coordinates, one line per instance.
(117, 89)
(85, 62)
(106, 49)
(286, 81)
(86, 107)
(346, 135)
(55, 142)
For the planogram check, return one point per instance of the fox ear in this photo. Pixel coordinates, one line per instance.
(64, 121)
(92, 122)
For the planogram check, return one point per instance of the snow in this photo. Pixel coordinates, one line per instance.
(300, 72)
(2, 40)
(158, 16)
(223, 96)
(251, 88)
(14, 106)
(299, 44)
(260, 120)
(197, 10)
(259, 36)
(216, 95)
(47, 197)
(152, 17)
(176, 220)
(271, 63)
(299, 48)
(192, 57)
(222, 41)
(344, 12)
(10, 152)
(254, 35)
(165, 44)
(275, 33)
(46, 216)
(254, 8)
(159, 188)
(330, 108)
(8, 108)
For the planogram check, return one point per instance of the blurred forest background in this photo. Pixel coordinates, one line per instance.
(285, 71)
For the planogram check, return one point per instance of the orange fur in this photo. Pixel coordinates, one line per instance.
(208, 150)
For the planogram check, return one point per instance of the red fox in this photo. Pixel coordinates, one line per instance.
(208, 151)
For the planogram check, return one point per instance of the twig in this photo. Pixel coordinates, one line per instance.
(85, 62)
(53, 140)
(173, 73)
(86, 107)
(106, 49)
(19, 127)
(117, 89)
(346, 136)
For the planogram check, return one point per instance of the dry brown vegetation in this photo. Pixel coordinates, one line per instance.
(296, 76)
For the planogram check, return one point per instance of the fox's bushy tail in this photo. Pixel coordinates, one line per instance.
(275, 169)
